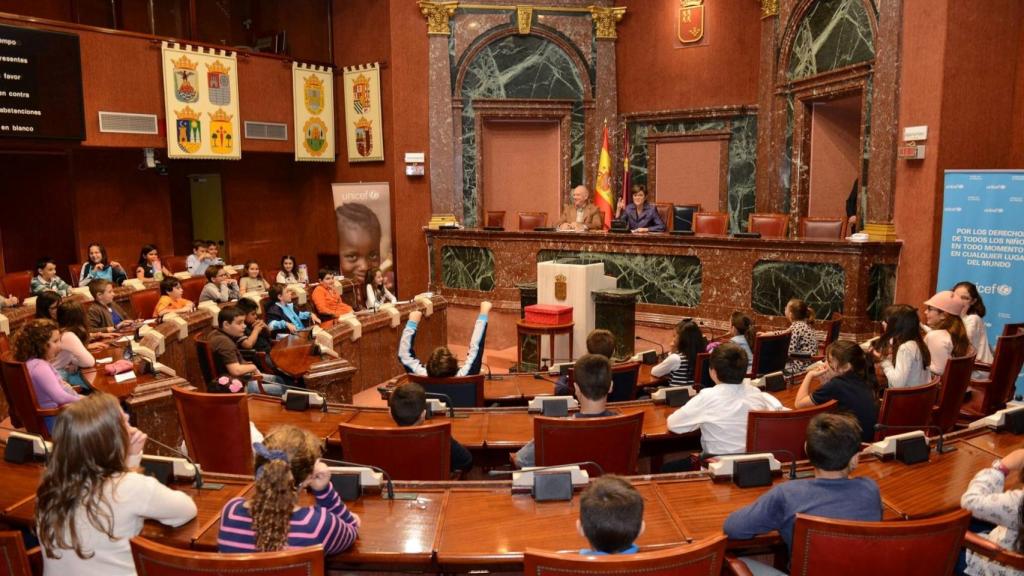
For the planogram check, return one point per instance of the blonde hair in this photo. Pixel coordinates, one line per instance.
(292, 454)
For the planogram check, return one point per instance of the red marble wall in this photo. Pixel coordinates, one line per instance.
(1017, 159)
(654, 74)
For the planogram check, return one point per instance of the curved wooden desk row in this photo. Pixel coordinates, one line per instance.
(455, 528)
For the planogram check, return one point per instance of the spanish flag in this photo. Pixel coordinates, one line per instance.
(603, 185)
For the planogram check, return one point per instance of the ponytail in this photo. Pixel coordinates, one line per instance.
(275, 496)
(744, 326)
(799, 310)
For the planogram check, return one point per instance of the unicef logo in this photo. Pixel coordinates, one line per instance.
(1004, 290)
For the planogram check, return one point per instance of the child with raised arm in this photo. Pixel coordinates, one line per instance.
(442, 363)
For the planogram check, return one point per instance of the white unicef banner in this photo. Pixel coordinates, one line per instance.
(201, 103)
(364, 135)
(983, 242)
(313, 100)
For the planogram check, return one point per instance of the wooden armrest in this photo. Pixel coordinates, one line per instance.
(35, 560)
(981, 545)
(48, 411)
(735, 567)
(982, 366)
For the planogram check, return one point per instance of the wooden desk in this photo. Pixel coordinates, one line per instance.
(268, 413)
(492, 528)
(19, 483)
(999, 444)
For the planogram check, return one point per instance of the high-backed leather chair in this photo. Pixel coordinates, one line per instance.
(702, 371)
(905, 547)
(770, 353)
(18, 283)
(532, 220)
(612, 441)
(154, 559)
(710, 223)
(990, 394)
(822, 228)
(907, 407)
(465, 391)
(5, 344)
(176, 263)
(832, 328)
(421, 452)
(495, 218)
(783, 430)
(624, 379)
(1011, 328)
(697, 559)
(665, 213)
(989, 549)
(21, 397)
(768, 225)
(74, 272)
(954, 382)
(191, 288)
(15, 560)
(216, 429)
(144, 302)
(682, 216)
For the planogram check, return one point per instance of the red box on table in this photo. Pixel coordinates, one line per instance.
(549, 314)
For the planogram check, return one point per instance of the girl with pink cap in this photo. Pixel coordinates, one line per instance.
(947, 336)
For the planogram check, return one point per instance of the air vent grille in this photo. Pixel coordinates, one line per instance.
(125, 123)
(266, 131)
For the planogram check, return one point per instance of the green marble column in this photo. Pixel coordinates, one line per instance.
(616, 312)
(530, 344)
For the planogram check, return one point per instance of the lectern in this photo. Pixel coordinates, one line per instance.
(571, 282)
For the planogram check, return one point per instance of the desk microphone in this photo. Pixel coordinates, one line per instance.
(444, 398)
(323, 399)
(21, 455)
(940, 447)
(387, 477)
(792, 457)
(532, 469)
(540, 376)
(489, 375)
(199, 474)
(658, 344)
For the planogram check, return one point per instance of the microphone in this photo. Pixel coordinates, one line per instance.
(489, 375)
(199, 475)
(40, 445)
(445, 398)
(387, 477)
(792, 457)
(940, 447)
(323, 399)
(540, 376)
(543, 468)
(649, 341)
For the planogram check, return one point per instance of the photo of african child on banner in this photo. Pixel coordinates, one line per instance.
(363, 215)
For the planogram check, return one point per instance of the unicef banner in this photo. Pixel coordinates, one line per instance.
(983, 242)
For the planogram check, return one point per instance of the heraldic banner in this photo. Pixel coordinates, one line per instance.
(362, 113)
(201, 103)
(313, 99)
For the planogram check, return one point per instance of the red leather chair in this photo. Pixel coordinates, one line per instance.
(153, 559)
(907, 407)
(665, 213)
(532, 220)
(624, 378)
(420, 452)
(465, 391)
(21, 397)
(216, 429)
(832, 327)
(785, 430)
(702, 371)
(954, 382)
(611, 441)
(144, 302)
(495, 218)
(700, 558)
(1010, 329)
(175, 263)
(16, 561)
(768, 225)
(192, 287)
(992, 551)
(770, 353)
(710, 223)
(905, 547)
(18, 283)
(822, 228)
(5, 344)
(992, 393)
(74, 272)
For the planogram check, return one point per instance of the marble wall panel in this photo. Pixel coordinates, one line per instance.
(821, 285)
(467, 268)
(832, 35)
(661, 279)
(881, 289)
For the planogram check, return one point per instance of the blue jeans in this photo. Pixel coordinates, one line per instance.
(272, 386)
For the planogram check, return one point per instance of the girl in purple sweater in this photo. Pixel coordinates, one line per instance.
(287, 461)
(37, 345)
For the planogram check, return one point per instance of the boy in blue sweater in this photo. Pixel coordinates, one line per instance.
(611, 516)
(442, 363)
(833, 442)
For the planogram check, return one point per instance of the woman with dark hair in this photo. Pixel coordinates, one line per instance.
(988, 501)
(150, 265)
(37, 344)
(848, 385)
(91, 502)
(679, 365)
(46, 305)
(640, 215)
(74, 354)
(901, 349)
(973, 318)
(98, 268)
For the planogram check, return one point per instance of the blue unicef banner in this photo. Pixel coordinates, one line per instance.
(983, 242)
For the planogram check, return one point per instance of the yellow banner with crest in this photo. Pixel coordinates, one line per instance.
(201, 102)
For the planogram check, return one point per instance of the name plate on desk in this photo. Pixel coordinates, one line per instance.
(124, 376)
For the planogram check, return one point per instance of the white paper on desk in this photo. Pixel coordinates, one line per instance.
(150, 321)
(124, 376)
(106, 360)
(124, 339)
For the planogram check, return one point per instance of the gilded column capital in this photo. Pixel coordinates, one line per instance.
(605, 20)
(437, 14)
(769, 8)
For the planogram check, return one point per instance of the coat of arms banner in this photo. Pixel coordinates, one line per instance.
(313, 99)
(201, 102)
(362, 113)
